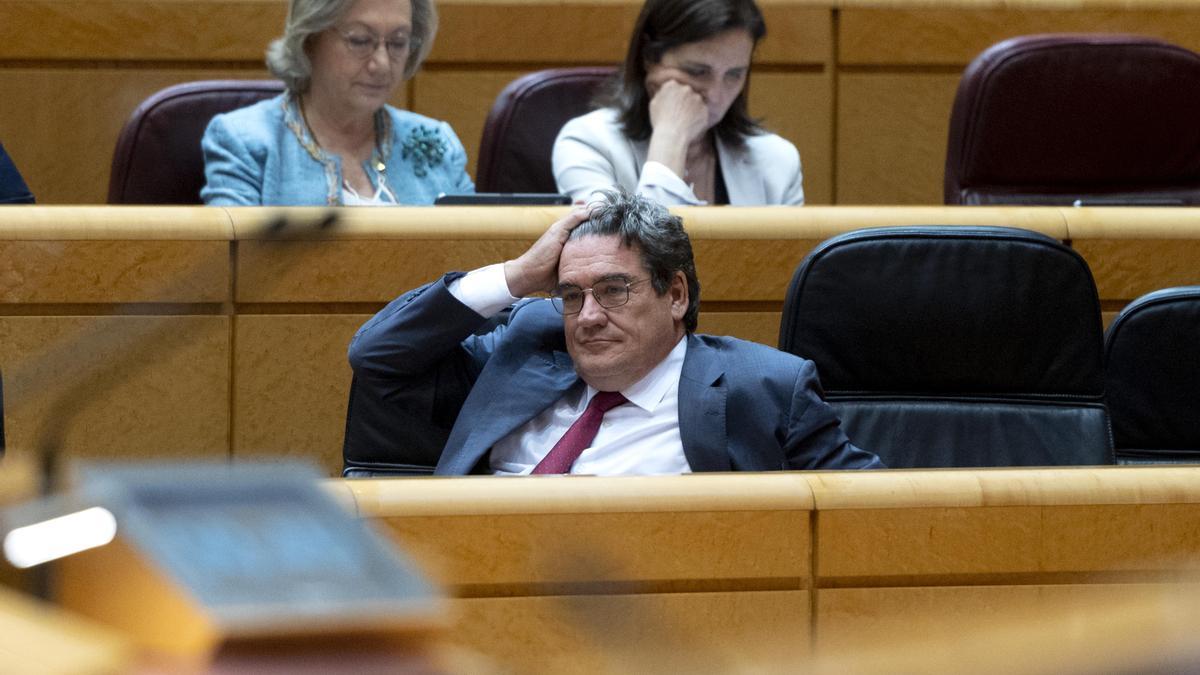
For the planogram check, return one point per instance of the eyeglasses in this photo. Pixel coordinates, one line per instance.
(568, 300)
(362, 45)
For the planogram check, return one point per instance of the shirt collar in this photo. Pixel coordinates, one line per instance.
(649, 391)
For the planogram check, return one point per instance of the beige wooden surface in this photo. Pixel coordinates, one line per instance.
(36, 637)
(861, 86)
(727, 632)
(225, 342)
(897, 558)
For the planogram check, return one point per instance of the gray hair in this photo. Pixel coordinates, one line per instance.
(664, 245)
(287, 59)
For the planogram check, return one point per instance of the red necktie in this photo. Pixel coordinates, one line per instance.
(580, 435)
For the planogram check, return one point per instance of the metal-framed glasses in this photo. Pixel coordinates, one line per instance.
(362, 44)
(609, 293)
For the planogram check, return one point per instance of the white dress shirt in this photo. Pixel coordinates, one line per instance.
(639, 437)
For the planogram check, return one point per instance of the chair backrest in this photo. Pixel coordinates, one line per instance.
(1152, 375)
(387, 440)
(158, 158)
(1049, 119)
(955, 346)
(514, 151)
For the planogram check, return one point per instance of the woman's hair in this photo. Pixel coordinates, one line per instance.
(664, 25)
(288, 60)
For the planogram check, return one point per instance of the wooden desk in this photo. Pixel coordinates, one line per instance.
(741, 570)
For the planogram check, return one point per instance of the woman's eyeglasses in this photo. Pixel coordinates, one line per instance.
(362, 44)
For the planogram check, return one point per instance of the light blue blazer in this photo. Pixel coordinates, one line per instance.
(742, 406)
(263, 155)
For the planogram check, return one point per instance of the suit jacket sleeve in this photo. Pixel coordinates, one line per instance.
(233, 173)
(814, 438)
(414, 364)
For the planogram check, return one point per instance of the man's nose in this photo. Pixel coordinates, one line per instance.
(591, 313)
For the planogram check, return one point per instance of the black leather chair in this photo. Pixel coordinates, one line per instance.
(1152, 374)
(1049, 119)
(955, 346)
(385, 440)
(518, 136)
(158, 158)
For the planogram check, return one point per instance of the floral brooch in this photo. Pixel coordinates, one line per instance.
(425, 148)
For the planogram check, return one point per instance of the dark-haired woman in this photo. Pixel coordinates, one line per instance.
(674, 125)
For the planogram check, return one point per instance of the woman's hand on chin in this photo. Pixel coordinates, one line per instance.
(678, 117)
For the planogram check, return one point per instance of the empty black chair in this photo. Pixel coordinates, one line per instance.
(1152, 373)
(955, 346)
(1048, 119)
(158, 158)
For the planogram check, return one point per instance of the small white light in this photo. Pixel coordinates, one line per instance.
(52, 539)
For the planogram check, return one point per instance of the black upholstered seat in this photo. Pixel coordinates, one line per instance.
(158, 158)
(1152, 375)
(387, 440)
(514, 151)
(1049, 119)
(955, 346)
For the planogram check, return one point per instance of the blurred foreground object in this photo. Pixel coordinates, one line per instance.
(38, 638)
(245, 566)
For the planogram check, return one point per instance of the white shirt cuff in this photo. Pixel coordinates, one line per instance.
(484, 290)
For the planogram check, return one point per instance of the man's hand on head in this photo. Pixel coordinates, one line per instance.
(536, 270)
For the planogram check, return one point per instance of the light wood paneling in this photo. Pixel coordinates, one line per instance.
(113, 271)
(892, 131)
(747, 271)
(957, 543)
(200, 30)
(1127, 269)
(796, 35)
(1029, 525)
(512, 32)
(496, 536)
(291, 385)
(799, 108)
(1133, 252)
(649, 633)
(356, 271)
(499, 554)
(943, 36)
(859, 621)
(117, 387)
(761, 327)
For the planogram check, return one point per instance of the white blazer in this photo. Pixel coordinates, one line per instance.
(591, 153)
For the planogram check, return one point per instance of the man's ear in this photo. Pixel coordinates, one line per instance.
(679, 295)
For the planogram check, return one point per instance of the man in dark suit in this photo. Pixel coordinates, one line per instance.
(605, 377)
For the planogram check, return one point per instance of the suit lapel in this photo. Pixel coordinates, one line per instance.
(702, 423)
(519, 395)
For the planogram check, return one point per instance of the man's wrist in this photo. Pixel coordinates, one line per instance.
(484, 290)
